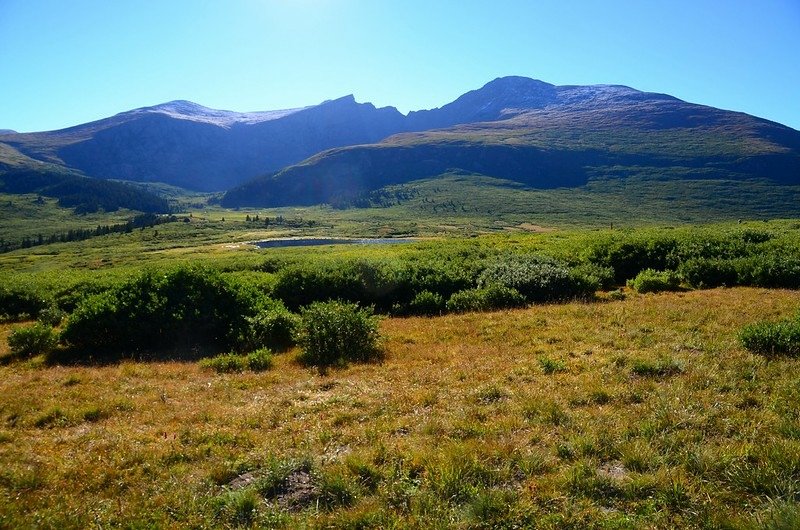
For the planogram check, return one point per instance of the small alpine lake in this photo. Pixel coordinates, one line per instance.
(311, 241)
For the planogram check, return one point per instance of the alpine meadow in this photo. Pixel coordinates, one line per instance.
(537, 305)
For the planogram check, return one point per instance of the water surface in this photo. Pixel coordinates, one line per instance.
(313, 241)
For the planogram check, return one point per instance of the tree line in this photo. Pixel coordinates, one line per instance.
(142, 221)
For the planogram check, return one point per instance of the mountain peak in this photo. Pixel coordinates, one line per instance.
(349, 99)
(516, 82)
(180, 105)
(498, 99)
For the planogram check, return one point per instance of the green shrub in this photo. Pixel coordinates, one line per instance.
(706, 257)
(498, 296)
(259, 360)
(225, 363)
(371, 283)
(594, 274)
(380, 283)
(706, 273)
(770, 270)
(466, 300)
(426, 303)
(552, 366)
(629, 255)
(492, 296)
(70, 296)
(51, 316)
(444, 277)
(338, 332)
(616, 295)
(652, 281)
(537, 278)
(273, 328)
(184, 307)
(772, 338)
(767, 269)
(22, 301)
(32, 340)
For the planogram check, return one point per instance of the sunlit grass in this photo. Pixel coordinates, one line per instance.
(653, 416)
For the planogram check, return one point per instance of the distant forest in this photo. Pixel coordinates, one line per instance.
(85, 195)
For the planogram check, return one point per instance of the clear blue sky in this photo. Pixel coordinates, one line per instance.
(64, 62)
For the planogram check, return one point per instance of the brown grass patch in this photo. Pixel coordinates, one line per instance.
(137, 441)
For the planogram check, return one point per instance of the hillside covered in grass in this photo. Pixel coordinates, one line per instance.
(20, 174)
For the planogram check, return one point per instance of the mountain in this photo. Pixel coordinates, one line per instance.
(514, 128)
(194, 147)
(544, 136)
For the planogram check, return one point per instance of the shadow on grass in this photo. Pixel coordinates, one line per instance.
(67, 356)
(323, 368)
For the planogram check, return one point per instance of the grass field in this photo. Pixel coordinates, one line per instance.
(451, 206)
(636, 412)
(643, 412)
(28, 216)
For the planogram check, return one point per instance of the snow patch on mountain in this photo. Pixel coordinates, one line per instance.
(601, 95)
(187, 110)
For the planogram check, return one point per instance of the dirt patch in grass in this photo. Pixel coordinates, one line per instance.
(613, 470)
(299, 491)
(243, 481)
(535, 228)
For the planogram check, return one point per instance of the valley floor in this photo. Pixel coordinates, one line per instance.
(629, 413)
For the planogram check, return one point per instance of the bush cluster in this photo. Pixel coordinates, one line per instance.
(185, 306)
(384, 284)
(491, 296)
(538, 278)
(707, 273)
(765, 270)
(273, 327)
(745, 257)
(652, 281)
(32, 340)
(334, 333)
(427, 303)
(20, 302)
(772, 338)
(246, 309)
(628, 256)
(256, 361)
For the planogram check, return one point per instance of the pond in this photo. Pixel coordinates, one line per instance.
(312, 241)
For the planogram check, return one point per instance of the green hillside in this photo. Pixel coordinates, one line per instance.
(20, 174)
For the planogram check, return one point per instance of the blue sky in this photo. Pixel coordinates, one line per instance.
(68, 62)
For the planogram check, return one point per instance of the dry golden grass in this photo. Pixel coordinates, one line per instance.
(544, 403)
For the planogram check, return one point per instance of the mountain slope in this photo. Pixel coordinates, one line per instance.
(545, 136)
(188, 145)
(22, 174)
